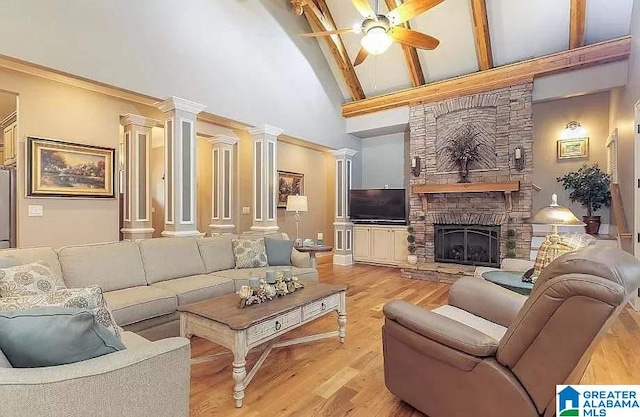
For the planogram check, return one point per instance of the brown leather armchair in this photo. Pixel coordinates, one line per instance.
(491, 352)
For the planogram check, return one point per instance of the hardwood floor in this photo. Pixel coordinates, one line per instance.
(328, 379)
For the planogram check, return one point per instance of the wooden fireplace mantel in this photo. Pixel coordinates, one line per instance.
(479, 187)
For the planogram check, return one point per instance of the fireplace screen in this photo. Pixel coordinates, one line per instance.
(467, 244)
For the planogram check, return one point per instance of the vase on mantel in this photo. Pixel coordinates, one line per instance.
(464, 170)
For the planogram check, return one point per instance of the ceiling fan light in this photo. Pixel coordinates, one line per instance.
(376, 41)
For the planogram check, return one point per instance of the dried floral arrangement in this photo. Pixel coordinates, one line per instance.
(464, 149)
(266, 292)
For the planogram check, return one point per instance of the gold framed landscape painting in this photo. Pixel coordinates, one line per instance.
(573, 148)
(289, 183)
(62, 169)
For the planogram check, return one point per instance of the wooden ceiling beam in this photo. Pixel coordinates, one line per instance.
(577, 23)
(410, 53)
(500, 77)
(320, 19)
(481, 32)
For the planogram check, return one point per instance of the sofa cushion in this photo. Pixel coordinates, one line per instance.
(131, 305)
(278, 251)
(90, 298)
(170, 258)
(197, 288)
(9, 262)
(29, 279)
(241, 276)
(249, 253)
(53, 336)
(133, 341)
(217, 253)
(26, 256)
(4, 362)
(476, 322)
(112, 266)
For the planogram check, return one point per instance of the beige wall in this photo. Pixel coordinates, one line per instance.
(549, 119)
(53, 110)
(317, 167)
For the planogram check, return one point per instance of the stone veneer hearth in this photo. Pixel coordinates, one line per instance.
(504, 121)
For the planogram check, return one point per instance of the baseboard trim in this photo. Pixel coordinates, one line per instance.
(343, 260)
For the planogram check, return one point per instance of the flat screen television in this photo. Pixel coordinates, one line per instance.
(378, 206)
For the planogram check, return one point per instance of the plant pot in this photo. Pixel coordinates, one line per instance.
(412, 259)
(592, 224)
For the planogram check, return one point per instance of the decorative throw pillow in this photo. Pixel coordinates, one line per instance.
(545, 254)
(9, 262)
(53, 336)
(249, 253)
(278, 251)
(90, 298)
(30, 279)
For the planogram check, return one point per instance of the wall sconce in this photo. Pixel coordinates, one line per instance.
(573, 130)
(415, 166)
(518, 158)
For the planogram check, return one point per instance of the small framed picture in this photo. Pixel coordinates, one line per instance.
(573, 148)
(63, 169)
(289, 183)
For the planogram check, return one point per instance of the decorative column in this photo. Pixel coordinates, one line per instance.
(180, 166)
(265, 179)
(136, 148)
(222, 191)
(343, 253)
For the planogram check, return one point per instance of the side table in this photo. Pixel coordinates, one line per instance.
(509, 280)
(312, 250)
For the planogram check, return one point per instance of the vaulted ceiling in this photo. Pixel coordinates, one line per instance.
(517, 30)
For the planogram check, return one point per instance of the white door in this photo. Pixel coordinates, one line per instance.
(361, 243)
(636, 235)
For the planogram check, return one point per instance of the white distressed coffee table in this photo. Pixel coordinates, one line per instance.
(221, 321)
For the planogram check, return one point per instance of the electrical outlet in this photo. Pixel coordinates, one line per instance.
(36, 211)
(246, 210)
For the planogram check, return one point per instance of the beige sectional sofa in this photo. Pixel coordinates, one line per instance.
(144, 283)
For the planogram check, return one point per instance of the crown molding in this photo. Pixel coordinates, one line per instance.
(266, 130)
(136, 119)
(224, 139)
(177, 103)
(344, 152)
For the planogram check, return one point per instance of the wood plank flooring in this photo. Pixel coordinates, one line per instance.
(328, 379)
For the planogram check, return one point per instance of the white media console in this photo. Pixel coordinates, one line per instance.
(380, 244)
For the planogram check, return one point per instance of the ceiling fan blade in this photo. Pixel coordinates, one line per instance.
(362, 55)
(364, 8)
(412, 38)
(410, 9)
(327, 33)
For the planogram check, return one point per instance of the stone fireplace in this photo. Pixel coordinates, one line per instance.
(467, 244)
(503, 122)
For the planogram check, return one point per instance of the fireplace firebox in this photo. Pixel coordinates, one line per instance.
(467, 244)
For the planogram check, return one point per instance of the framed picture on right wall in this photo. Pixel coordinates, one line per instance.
(573, 148)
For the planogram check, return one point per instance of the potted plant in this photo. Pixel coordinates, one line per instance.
(464, 149)
(590, 186)
(411, 248)
(510, 244)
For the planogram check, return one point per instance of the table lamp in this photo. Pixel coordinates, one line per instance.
(297, 203)
(555, 215)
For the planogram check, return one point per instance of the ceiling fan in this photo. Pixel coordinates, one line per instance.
(380, 31)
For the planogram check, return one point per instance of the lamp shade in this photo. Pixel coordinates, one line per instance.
(297, 203)
(555, 214)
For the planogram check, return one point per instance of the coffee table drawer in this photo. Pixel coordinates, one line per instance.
(272, 326)
(317, 307)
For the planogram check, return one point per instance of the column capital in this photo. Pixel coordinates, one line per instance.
(177, 103)
(265, 129)
(137, 120)
(344, 152)
(224, 139)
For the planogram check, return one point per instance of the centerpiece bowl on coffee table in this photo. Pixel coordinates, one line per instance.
(221, 321)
